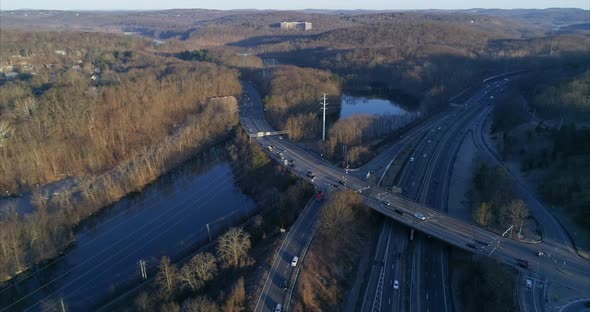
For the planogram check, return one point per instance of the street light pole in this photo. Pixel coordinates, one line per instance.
(324, 118)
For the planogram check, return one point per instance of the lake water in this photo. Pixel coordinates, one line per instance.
(352, 105)
(169, 217)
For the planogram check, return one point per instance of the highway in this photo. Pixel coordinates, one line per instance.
(437, 224)
(420, 267)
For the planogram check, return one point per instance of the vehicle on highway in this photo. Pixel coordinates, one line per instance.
(523, 265)
(319, 196)
(471, 245)
(398, 211)
(250, 130)
(411, 158)
(482, 242)
(386, 203)
(424, 156)
(342, 182)
(284, 285)
(540, 253)
(528, 283)
(419, 216)
(395, 284)
(310, 174)
(270, 148)
(294, 261)
(525, 261)
(279, 308)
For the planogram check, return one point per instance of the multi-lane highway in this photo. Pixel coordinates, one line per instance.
(437, 224)
(420, 267)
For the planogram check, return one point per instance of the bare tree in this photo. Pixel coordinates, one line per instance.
(233, 246)
(143, 302)
(258, 221)
(483, 214)
(25, 107)
(235, 302)
(170, 307)
(516, 213)
(167, 278)
(198, 271)
(200, 304)
(338, 212)
(5, 132)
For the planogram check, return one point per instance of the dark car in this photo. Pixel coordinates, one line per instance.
(284, 285)
(523, 265)
(525, 261)
(399, 211)
(342, 182)
(482, 242)
(471, 245)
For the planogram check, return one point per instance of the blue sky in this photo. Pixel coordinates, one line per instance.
(287, 5)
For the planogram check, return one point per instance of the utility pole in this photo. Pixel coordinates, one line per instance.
(63, 307)
(209, 231)
(142, 267)
(324, 118)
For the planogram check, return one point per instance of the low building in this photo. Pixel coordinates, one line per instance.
(296, 25)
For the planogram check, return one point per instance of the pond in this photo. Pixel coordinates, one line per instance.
(353, 105)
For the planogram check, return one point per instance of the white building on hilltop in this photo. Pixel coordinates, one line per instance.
(296, 25)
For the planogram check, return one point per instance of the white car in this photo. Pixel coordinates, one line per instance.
(395, 284)
(278, 308)
(424, 156)
(528, 283)
(411, 158)
(294, 261)
(419, 216)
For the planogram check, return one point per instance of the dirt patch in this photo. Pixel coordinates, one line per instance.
(332, 261)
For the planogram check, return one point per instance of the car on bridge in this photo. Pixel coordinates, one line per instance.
(398, 211)
(523, 265)
(419, 216)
